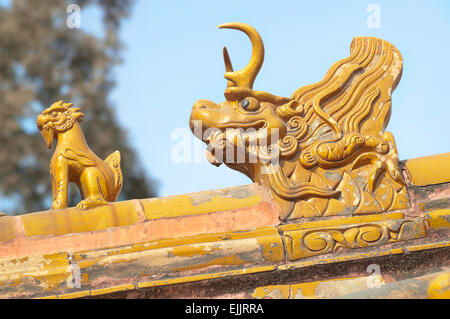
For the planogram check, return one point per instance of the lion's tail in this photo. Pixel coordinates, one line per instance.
(113, 162)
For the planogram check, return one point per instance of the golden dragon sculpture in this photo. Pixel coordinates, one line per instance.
(73, 161)
(327, 153)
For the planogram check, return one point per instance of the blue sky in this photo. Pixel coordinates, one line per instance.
(173, 57)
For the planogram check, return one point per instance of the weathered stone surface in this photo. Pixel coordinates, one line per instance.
(414, 288)
(131, 222)
(188, 245)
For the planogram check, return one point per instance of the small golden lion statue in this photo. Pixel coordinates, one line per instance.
(73, 161)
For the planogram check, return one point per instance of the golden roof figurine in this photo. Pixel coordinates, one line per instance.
(73, 161)
(328, 153)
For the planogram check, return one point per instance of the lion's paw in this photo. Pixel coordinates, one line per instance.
(91, 202)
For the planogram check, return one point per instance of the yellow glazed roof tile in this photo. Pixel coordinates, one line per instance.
(8, 232)
(74, 220)
(201, 203)
(429, 170)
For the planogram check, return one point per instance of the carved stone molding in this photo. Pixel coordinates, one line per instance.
(324, 240)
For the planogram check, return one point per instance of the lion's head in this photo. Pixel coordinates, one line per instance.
(58, 118)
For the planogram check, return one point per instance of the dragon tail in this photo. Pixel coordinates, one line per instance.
(113, 162)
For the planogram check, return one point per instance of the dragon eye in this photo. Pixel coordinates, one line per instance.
(54, 114)
(245, 103)
(249, 104)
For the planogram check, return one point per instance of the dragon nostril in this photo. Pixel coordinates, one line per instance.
(200, 105)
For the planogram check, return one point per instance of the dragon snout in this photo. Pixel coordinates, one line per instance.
(201, 111)
(206, 104)
(201, 104)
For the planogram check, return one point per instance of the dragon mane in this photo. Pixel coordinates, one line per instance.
(355, 94)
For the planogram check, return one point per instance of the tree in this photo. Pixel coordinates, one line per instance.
(42, 60)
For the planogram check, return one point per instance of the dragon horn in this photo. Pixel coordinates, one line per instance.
(246, 76)
(228, 65)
